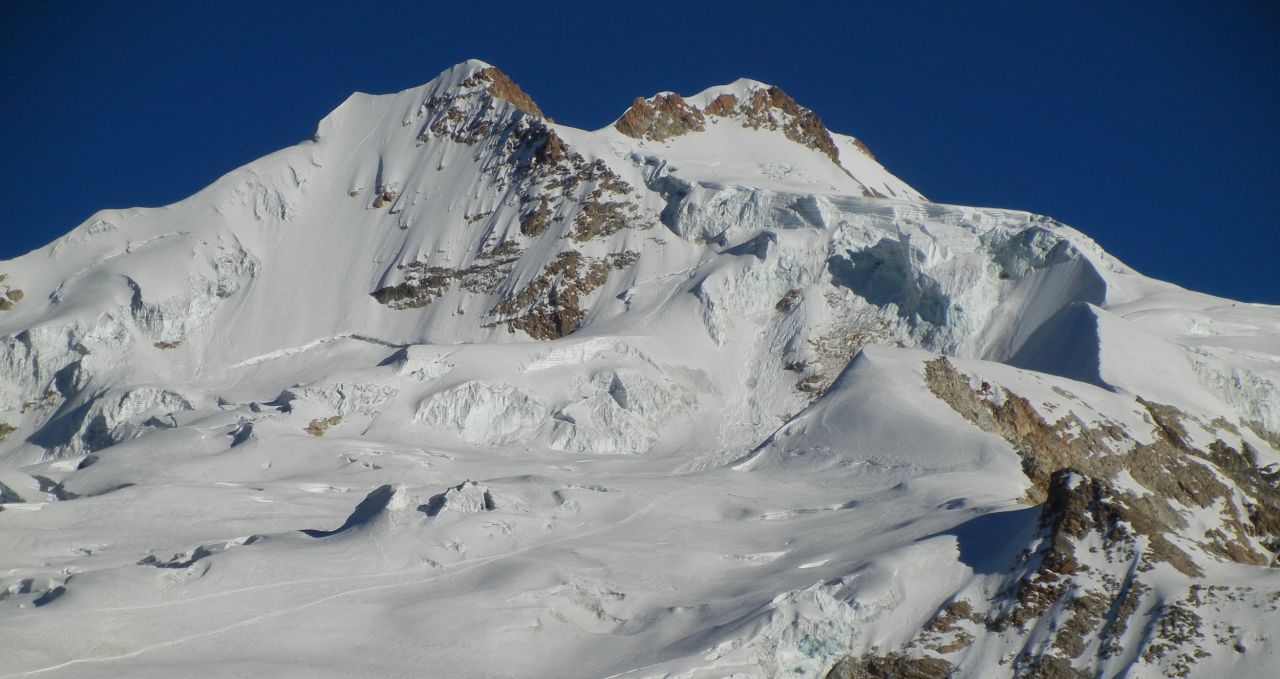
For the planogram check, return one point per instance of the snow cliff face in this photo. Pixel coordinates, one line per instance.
(707, 392)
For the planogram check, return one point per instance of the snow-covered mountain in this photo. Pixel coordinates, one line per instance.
(454, 390)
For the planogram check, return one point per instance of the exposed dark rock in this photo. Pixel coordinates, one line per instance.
(790, 300)
(1170, 468)
(550, 305)
(1050, 667)
(49, 400)
(890, 666)
(319, 426)
(1074, 470)
(660, 118)
(1177, 641)
(669, 115)
(600, 218)
(535, 222)
(773, 109)
(424, 284)
(502, 87)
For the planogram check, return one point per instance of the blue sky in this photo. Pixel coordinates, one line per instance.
(1152, 127)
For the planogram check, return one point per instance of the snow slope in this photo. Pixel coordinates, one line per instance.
(453, 389)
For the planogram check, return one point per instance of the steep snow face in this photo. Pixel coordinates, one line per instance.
(667, 398)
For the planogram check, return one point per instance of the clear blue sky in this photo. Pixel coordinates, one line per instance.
(1152, 127)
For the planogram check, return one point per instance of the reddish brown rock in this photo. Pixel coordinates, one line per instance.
(659, 118)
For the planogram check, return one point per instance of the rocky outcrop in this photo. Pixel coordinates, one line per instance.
(497, 83)
(320, 425)
(423, 284)
(890, 666)
(772, 109)
(9, 296)
(1114, 506)
(660, 118)
(476, 109)
(1173, 473)
(560, 194)
(552, 304)
(669, 115)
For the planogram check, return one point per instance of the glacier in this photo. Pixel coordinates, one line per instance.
(451, 388)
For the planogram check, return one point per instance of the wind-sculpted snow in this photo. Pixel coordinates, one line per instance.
(34, 357)
(467, 497)
(345, 398)
(108, 419)
(708, 392)
(620, 411)
(226, 268)
(752, 281)
(483, 413)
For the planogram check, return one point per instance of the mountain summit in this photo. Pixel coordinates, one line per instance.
(707, 392)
